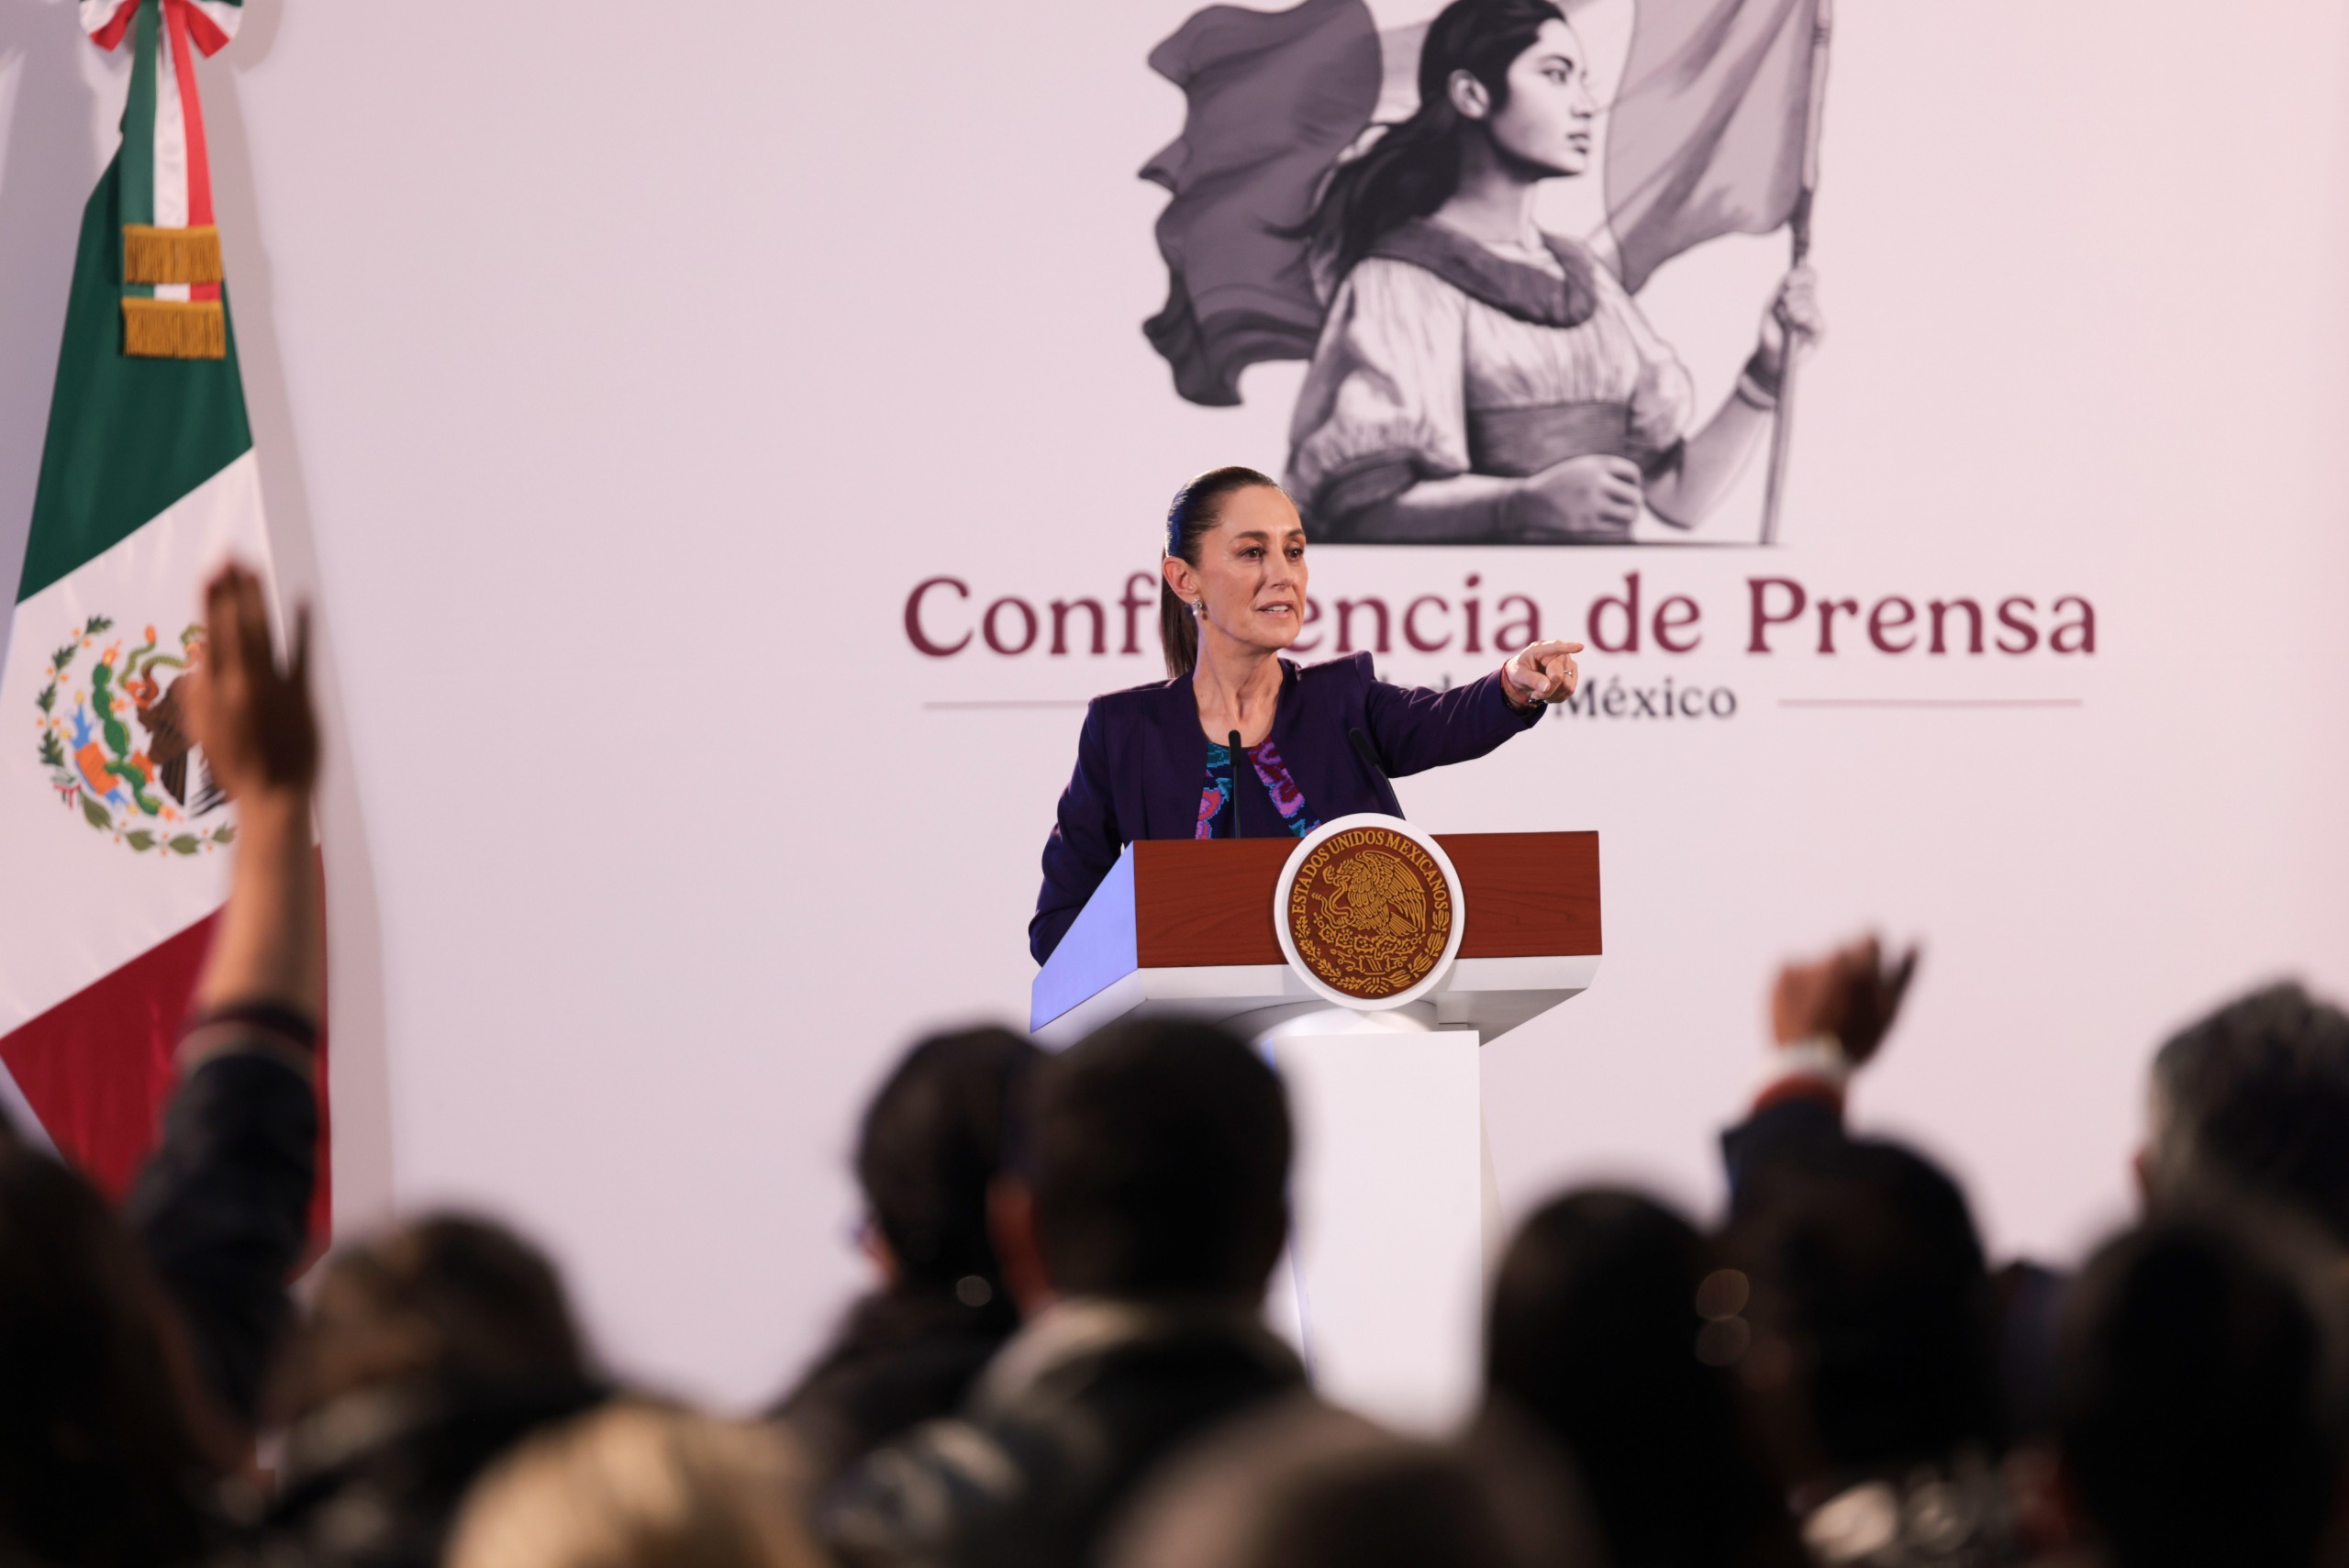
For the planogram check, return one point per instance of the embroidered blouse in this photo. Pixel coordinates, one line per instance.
(1219, 809)
(1441, 356)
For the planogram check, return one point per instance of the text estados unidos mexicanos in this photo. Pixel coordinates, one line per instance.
(946, 619)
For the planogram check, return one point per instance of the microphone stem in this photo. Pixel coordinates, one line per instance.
(1234, 739)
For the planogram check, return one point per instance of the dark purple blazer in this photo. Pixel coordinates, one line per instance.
(1142, 762)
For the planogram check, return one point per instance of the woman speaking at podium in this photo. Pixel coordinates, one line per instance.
(1240, 742)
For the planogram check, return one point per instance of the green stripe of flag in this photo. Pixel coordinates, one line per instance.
(138, 155)
(127, 437)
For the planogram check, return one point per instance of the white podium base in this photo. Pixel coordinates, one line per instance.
(1383, 1286)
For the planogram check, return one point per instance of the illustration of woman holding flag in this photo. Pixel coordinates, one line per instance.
(1474, 379)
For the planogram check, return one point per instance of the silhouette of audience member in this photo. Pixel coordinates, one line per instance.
(129, 1367)
(2201, 1417)
(1146, 1214)
(223, 1205)
(1303, 1486)
(430, 1351)
(1871, 1332)
(931, 1144)
(636, 1485)
(1829, 1018)
(2253, 1102)
(104, 1458)
(1599, 1334)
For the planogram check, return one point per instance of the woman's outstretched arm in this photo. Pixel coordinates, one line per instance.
(1685, 494)
(1414, 728)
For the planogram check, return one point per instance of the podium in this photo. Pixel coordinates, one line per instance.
(1369, 961)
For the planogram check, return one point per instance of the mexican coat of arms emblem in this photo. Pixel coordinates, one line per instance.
(115, 745)
(1369, 911)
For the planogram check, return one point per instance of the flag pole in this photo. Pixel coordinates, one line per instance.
(1782, 422)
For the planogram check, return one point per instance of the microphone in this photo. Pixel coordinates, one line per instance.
(1234, 739)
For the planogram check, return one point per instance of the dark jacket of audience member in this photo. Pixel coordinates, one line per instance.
(1151, 1209)
(430, 1351)
(2253, 1101)
(931, 1143)
(1796, 1113)
(128, 1366)
(222, 1207)
(2201, 1422)
(1871, 1346)
(100, 1460)
(1611, 1328)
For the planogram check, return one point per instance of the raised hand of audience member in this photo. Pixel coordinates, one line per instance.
(1828, 1017)
(260, 736)
(1849, 998)
(222, 1204)
(253, 720)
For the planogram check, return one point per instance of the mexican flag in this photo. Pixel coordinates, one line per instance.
(115, 843)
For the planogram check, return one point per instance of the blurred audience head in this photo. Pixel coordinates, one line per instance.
(931, 1145)
(2199, 1421)
(1873, 1326)
(932, 1141)
(635, 1486)
(1303, 1486)
(1596, 1334)
(2253, 1100)
(1156, 1166)
(101, 1460)
(448, 1304)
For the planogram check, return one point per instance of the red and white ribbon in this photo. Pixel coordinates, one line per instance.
(182, 170)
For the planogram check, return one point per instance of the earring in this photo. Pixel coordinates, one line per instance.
(1198, 607)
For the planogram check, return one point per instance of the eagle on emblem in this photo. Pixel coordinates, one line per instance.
(1375, 917)
(1375, 897)
(169, 744)
(144, 683)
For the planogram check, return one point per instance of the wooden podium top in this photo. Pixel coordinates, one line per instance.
(1202, 902)
(1186, 925)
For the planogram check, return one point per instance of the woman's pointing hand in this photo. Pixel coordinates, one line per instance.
(1541, 672)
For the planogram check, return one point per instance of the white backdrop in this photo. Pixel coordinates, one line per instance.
(619, 370)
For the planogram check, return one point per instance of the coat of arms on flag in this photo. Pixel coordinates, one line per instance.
(112, 832)
(117, 747)
(1359, 190)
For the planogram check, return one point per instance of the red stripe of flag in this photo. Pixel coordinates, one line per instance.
(199, 163)
(97, 1068)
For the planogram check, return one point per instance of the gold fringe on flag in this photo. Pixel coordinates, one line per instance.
(174, 329)
(151, 255)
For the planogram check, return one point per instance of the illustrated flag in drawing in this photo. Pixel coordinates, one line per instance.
(1708, 134)
(116, 841)
(1706, 137)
